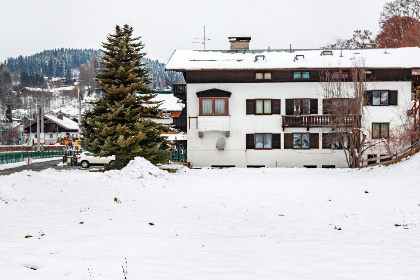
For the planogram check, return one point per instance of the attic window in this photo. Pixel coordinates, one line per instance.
(326, 53)
(300, 75)
(263, 76)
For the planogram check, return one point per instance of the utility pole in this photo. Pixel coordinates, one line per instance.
(38, 148)
(42, 121)
(79, 117)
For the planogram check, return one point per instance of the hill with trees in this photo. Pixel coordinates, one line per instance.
(61, 62)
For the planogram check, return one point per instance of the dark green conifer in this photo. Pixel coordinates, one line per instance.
(119, 124)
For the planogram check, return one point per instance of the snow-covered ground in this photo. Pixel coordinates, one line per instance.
(211, 224)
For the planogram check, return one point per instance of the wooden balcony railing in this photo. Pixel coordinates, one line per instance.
(180, 123)
(318, 121)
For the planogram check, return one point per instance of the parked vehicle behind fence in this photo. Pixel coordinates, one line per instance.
(87, 159)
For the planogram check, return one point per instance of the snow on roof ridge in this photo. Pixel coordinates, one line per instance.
(65, 122)
(246, 59)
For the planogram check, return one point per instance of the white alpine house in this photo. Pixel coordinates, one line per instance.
(263, 108)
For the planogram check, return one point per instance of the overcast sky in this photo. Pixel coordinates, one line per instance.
(29, 26)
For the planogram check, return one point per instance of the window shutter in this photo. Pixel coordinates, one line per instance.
(250, 106)
(275, 106)
(288, 140)
(326, 106)
(326, 141)
(314, 140)
(276, 141)
(249, 141)
(289, 107)
(368, 98)
(314, 106)
(393, 97)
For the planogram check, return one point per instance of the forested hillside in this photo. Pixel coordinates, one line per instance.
(57, 62)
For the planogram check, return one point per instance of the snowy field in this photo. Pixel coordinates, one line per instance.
(144, 223)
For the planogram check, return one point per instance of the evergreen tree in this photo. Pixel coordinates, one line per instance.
(69, 77)
(119, 124)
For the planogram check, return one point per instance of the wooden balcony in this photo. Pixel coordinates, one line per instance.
(318, 121)
(180, 123)
(180, 91)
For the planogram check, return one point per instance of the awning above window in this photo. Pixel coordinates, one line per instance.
(214, 92)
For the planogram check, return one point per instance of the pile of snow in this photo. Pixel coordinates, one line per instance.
(139, 168)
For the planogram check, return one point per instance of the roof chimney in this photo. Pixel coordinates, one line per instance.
(239, 43)
(60, 116)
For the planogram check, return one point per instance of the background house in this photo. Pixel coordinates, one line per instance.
(53, 126)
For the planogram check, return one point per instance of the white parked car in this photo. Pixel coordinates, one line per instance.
(86, 159)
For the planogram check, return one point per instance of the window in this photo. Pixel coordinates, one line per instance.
(344, 105)
(300, 75)
(35, 136)
(380, 98)
(263, 141)
(51, 136)
(340, 75)
(262, 106)
(213, 106)
(304, 106)
(380, 130)
(263, 76)
(301, 141)
(335, 141)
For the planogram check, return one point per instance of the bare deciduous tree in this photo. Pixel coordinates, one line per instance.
(343, 93)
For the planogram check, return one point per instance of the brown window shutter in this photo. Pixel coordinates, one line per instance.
(275, 106)
(314, 106)
(314, 140)
(393, 97)
(276, 141)
(326, 106)
(249, 141)
(289, 107)
(326, 141)
(368, 97)
(250, 106)
(288, 140)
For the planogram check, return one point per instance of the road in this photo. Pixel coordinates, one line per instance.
(38, 166)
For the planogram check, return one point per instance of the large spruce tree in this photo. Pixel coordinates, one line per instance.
(119, 124)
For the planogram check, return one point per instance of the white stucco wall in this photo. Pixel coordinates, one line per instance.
(202, 151)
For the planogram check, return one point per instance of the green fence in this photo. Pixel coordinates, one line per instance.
(21, 156)
(179, 154)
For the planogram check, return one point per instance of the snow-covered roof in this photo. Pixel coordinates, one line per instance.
(65, 122)
(177, 136)
(34, 89)
(184, 60)
(170, 102)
